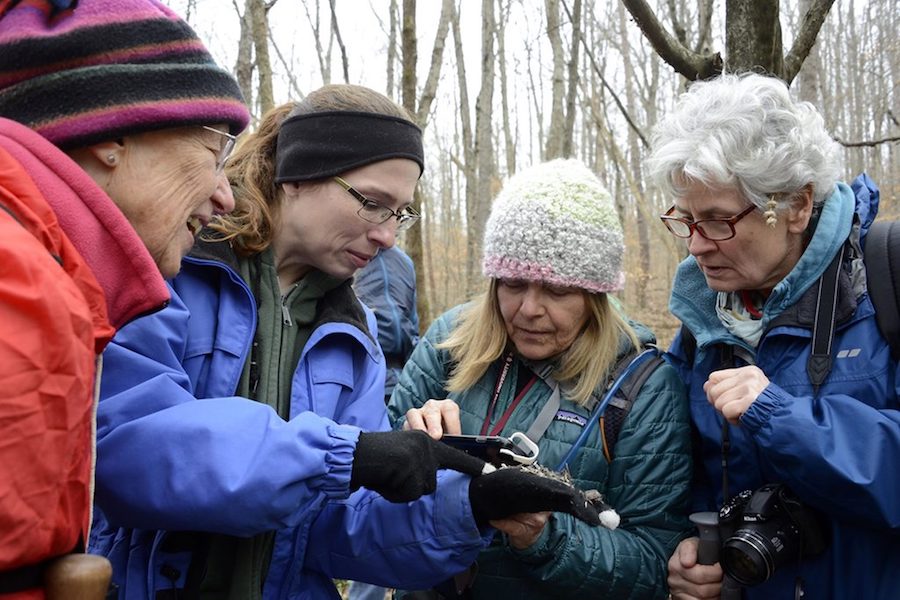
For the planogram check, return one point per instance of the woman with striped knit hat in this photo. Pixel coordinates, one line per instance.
(115, 123)
(535, 354)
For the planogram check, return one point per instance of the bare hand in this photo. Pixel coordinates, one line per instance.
(732, 391)
(689, 580)
(437, 417)
(522, 529)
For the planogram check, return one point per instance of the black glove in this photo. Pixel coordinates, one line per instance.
(511, 490)
(402, 465)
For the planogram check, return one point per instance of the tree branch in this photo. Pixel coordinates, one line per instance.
(340, 41)
(598, 71)
(690, 64)
(869, 143)
(806, 37)
(287, 68)
(434, 70)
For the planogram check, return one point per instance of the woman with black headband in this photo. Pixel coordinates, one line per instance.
(231, 424)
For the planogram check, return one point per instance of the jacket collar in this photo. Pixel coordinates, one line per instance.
(127, 274)
(338, 305)
(793, 299)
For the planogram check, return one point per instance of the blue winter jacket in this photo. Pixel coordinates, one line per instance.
(178, 452)
(837, 448)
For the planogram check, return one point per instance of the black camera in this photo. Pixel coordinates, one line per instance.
(767, 529)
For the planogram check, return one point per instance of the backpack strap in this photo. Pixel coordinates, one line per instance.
(620, 405)
(882, 260)
(637, 368)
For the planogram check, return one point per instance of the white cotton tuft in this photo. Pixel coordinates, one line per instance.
(609, 519)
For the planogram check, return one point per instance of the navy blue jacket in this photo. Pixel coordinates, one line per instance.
(387, 285)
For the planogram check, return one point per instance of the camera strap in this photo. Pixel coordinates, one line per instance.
(818, 366)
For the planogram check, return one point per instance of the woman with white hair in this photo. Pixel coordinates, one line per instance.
(792, 385)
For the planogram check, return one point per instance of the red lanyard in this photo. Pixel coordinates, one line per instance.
(512, 407)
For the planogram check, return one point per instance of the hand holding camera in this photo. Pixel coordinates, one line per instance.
(732, 391)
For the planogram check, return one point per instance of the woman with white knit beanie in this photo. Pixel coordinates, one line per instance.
(535, 353)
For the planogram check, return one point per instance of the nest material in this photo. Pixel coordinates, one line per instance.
(609, 518)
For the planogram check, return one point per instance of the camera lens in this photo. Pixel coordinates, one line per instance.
(746, 558)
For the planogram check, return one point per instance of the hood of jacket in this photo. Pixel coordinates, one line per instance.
(130, 279)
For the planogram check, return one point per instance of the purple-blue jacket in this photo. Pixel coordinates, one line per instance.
(177, 451)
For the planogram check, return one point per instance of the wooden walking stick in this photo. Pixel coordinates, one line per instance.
(77, 577)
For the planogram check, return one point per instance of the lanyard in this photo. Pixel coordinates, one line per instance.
(497, 388)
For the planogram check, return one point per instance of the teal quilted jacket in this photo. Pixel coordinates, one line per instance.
(647, 481)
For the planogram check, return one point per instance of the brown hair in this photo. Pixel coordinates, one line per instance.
(251, 171)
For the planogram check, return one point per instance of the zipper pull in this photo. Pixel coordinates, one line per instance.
(285, 314)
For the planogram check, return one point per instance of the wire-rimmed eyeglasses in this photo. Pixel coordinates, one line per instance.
(225, 152)
(715, 230)
(376, 213)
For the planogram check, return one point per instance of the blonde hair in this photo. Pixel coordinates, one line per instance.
(252, 224)
(480, 338)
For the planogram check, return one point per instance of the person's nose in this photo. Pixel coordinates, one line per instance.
(222, 198)
(385, 234)
(532, 301)
(697, 244)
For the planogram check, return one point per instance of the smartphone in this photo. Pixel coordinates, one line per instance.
(495, 449)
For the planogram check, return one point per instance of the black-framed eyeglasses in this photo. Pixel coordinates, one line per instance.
(227, 149)
(376, 213)
(715, 230)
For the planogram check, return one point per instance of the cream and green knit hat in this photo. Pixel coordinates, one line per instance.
(555, 223)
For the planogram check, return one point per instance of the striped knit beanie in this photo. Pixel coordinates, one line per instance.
(555, 223)
(85, 71)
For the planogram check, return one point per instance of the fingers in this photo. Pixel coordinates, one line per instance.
(732, 391)
(688, 580)
(451, 458)
(523, 529)
(436, 417)
(686, 552)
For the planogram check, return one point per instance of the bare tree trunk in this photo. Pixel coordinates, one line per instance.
(555, 133)
(572, 92)
(429, 90)
(243, 67)
(468, 145)
(261, 46)
(409, 55)
(634, 151)
(392, 48)
(808, 87)
(484, 148)
(509, 141)
(753, 36)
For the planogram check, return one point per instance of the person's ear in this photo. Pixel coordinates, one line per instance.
(108, 153)
(801, 210)
(290, 189)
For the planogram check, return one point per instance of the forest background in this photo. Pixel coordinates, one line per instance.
(498, 85)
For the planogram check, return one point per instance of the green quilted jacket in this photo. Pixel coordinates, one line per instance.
(647, 481)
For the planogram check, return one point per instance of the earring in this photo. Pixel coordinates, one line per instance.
(111, 159)
(769, 214)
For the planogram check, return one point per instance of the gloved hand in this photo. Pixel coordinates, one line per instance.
(402, 465)
(512, 490)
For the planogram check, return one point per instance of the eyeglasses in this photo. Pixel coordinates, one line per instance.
(376, 213)
(226, 150)
(716, 230)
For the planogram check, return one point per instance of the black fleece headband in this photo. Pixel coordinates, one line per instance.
(325, 144)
